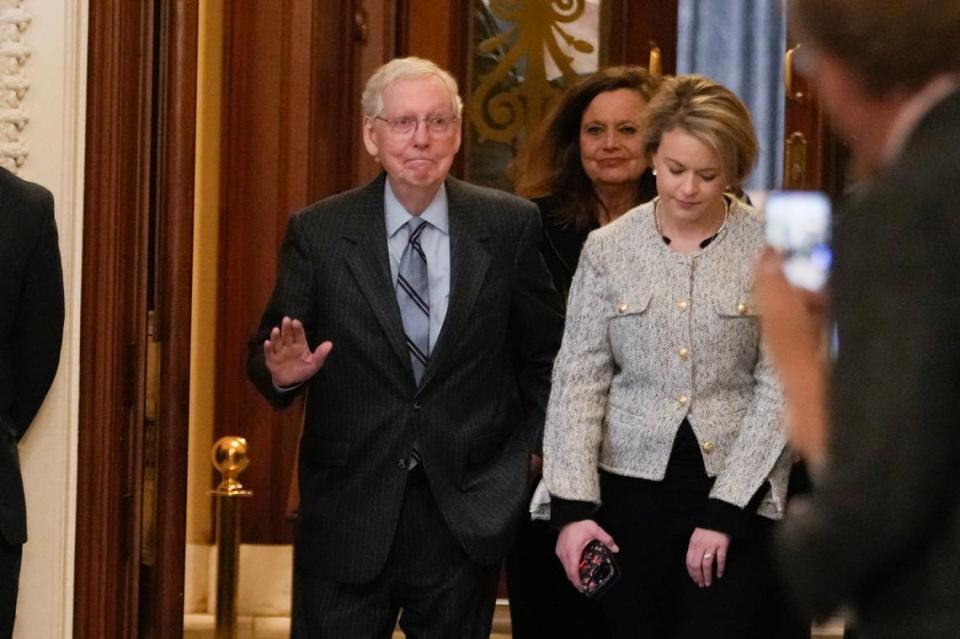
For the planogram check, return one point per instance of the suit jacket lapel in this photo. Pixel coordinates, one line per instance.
(371, 266)
(469, 261)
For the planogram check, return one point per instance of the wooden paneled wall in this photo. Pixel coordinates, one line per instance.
(137, 259)
(287, 125)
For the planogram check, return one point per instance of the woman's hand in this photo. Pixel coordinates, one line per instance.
(707, 548)
(573, 538)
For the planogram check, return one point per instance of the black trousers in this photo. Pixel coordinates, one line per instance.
(9, 585)
(543, 603)
(438, 592)
(655, 597)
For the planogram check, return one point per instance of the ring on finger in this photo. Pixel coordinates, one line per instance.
(708, 555)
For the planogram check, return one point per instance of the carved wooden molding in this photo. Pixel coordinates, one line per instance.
(14, 82)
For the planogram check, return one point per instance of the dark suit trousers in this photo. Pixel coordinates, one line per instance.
(9, 584)
(428, 580)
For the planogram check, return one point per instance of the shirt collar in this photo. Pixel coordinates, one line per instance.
(437, 212)
(913, 111)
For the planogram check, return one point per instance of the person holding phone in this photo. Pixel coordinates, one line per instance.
(880, 534)
(664, 437)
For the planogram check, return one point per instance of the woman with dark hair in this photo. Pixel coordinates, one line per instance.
(584, 167)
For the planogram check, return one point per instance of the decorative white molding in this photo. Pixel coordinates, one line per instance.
(14, 83)
(56, 103)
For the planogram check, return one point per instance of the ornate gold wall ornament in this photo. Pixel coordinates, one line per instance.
(500, 107)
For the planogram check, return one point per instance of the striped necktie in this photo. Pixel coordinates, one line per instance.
(413, 296)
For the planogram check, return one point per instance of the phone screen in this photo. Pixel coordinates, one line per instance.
(797, 223)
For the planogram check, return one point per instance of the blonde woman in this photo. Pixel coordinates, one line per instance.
(664, 435)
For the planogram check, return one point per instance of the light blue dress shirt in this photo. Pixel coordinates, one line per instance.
(435, 242)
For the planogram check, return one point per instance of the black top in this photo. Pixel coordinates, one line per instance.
(562, 242)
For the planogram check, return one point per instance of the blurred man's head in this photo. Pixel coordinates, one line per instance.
(868, 56)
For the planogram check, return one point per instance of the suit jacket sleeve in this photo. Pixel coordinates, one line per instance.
(292, 297)
(537, 318)
(38, 328)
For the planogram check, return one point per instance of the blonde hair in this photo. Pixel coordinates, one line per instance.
(709, 112)
(411, 68)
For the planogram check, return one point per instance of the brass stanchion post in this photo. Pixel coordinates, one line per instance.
(229, 456)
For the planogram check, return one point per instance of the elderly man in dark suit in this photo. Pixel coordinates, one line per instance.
(31, 330)
(882, 530)
(419, 315)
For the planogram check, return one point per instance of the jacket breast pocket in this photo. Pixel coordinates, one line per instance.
(629, 326)
(738, 326)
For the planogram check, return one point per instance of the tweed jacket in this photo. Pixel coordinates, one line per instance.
(654, 336)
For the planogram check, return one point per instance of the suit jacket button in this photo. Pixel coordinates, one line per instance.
(622, 307)
(708, 447)
(416, 405)
(742, 308)
(402, 463)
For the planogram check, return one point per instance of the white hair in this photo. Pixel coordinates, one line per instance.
(411, 68)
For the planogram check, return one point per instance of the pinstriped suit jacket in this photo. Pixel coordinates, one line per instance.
(652, 337)
(478, 411)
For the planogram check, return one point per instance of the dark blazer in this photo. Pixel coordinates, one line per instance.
(31, 329)
(561, 242)
(478, 411)
(882, 530)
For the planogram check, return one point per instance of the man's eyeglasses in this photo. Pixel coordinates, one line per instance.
(407, 124)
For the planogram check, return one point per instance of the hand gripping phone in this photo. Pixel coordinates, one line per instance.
(797, 224)
(598, 570)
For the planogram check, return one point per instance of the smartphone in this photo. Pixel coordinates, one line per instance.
(797, 223)
(598, 570)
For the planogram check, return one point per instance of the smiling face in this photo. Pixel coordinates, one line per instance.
(416, 162)
(611, 148)
(690, 179)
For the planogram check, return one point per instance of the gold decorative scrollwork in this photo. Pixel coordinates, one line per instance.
(500, 109)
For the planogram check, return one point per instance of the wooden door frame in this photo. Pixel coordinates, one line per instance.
(141, 98)
(824, 162)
